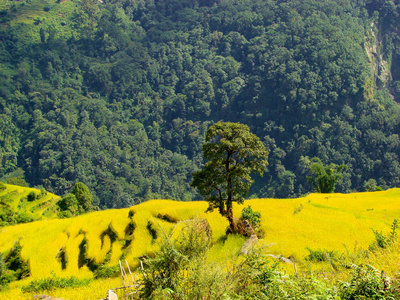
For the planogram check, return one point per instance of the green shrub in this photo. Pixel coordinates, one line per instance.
(366, 283)
(2, 186)
(320, 255)
(106, 272)
(111, 232)
(167, 218)
(131, 214)
(62, 258)
(53, 282)
(152, 230)
(382, 240)
(31, 196)
(254, 217)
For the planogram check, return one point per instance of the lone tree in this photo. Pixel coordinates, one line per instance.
(324, 178)
(232, 153)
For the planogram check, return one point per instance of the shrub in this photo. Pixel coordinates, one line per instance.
(254, 217)
(167, 218)
(53, 282)
(31, 196)
(106, 272)
(382, 240)
(62, 258)
(111, 232)
(152, 230)
(2, 186)
(366, 283)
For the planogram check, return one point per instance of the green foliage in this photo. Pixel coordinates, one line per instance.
(31, 196)
(152, 230)
(2, 186)
(52, 283)
(254, 217)
(119, 95)
(107, 272)
(366, 283)
(111, 233)
(83, 195)
(131, 214)
(69, 203)
(181, 270)
(167, 218)
(371, 186)
(62, 258)
(233, 153)
(383, 241)
(12, 266)
(325, 178)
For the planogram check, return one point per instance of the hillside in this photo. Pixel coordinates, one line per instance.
(118, 94)
(334, 222)
(22, 204)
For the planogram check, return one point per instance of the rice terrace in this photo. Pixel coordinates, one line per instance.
(343, 224)
(200, 149)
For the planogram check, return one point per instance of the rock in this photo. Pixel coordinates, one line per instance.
(111, 295)
(248, 244)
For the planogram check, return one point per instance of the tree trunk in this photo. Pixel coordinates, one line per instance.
(229, 216)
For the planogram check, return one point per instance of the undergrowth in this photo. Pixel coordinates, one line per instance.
(53, 282)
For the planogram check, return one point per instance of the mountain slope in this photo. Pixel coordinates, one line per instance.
(335, 222)
(119, 94)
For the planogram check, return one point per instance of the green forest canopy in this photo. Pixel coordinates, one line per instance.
(119, 94)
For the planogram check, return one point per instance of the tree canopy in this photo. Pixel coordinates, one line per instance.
(233, 153)
(325, 178)
(119, 94)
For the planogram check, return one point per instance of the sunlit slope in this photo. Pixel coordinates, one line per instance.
(15, 198)
(316, 221)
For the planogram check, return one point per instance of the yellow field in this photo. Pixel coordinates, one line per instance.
(317, 221)
(36, 208)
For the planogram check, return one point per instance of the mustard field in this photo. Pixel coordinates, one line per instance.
(339, 222)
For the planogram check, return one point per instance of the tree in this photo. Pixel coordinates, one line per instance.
(83, 195)
(233, 153)
(324, 178)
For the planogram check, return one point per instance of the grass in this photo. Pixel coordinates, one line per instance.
(337, 222)
(37, 209)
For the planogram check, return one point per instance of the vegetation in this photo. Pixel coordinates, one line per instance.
(22, 205)
(325, 178)
(118, 95)
(53, 282)
(76, 202)
(181, 270)
(233, 153)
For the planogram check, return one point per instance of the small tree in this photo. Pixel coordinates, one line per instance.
(324, 178)
(83, 195)
(232, 154)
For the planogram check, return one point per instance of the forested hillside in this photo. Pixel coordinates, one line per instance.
(119, 94)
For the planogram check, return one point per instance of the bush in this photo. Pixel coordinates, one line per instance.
(167, 218)
(366, 283)
(2, 186)
(106, 272)
(382, 240)
(254, 217)
(152, 230)
(31, 196)
(53, 282)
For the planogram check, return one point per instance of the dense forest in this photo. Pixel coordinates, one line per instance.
(119, 94)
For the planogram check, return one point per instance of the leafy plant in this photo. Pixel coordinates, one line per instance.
(382, 240)
(53, 282)
(253, 217)
(366, 283)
